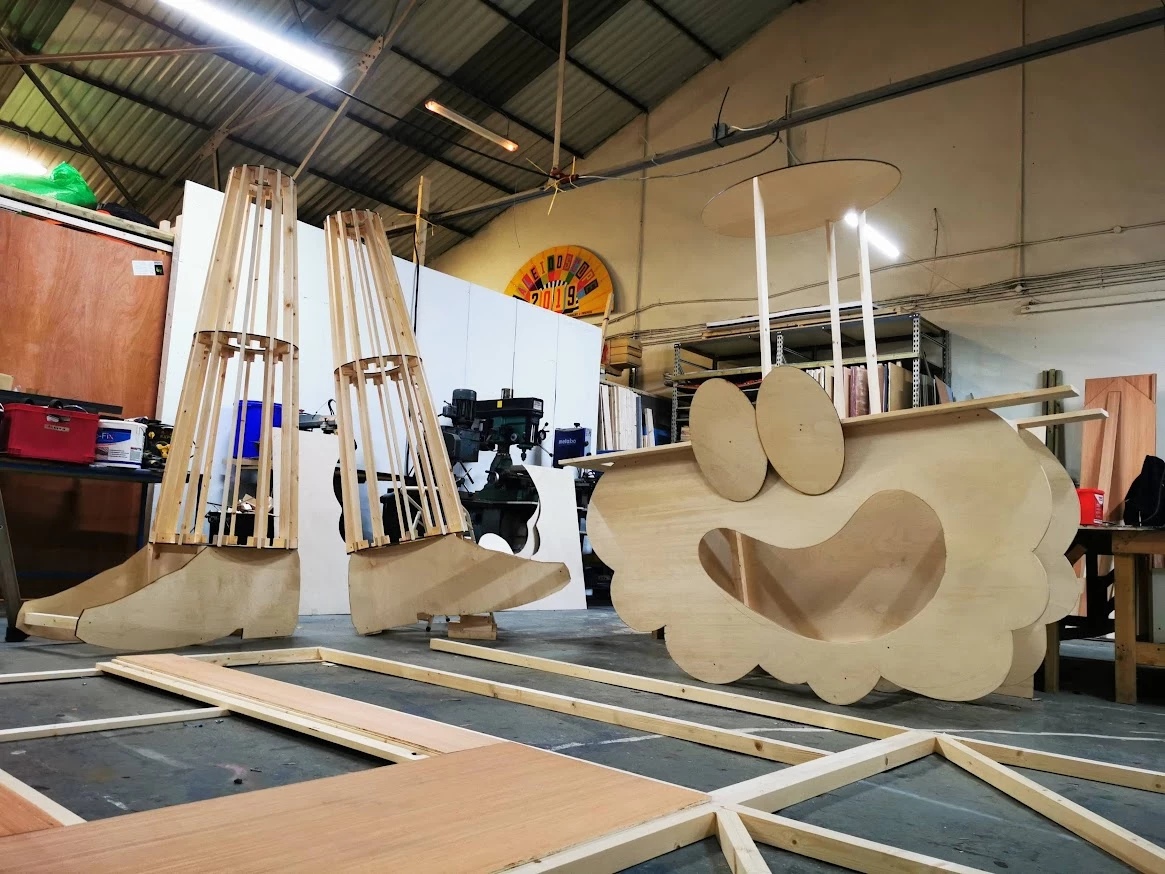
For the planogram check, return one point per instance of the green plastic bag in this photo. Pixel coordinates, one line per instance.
(64, 184)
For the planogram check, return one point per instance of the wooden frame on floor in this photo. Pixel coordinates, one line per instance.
(740, 815)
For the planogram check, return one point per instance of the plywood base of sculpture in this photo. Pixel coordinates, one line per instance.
(139, 570)
(211, 593)
(933, 611)
(448, 575)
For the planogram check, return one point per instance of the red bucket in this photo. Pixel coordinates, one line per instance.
(1091, 506)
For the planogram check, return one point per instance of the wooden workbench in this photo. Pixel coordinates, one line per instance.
(1132, 550)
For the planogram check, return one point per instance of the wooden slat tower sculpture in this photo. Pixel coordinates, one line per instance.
(414, 557)
(195, 582)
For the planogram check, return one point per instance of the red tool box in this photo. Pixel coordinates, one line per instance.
(49, 433)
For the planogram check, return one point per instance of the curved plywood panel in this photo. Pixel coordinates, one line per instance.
(800, 430)
(801, 197)
(991, 498)
(725, 440)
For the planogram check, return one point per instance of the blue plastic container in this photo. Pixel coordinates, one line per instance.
(251, 427)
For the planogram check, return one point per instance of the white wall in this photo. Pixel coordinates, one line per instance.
(469, 337)
(1066, 145)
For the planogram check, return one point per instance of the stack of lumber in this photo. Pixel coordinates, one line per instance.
(620, 418)
(623, 352)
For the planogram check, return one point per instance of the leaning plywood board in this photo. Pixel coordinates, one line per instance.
(1133, 435)
(525, 804)
(979, 580)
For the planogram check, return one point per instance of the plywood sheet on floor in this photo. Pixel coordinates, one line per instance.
(470, 812)
(18, 816)
(392, 725)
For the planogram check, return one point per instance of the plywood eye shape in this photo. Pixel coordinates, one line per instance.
(870, 578)
(799, 430)
(725, 440)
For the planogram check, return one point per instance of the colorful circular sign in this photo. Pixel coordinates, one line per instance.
(566, 279)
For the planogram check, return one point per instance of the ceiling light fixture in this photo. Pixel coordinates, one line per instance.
(470, 125)
(881, 242)
(285, 50)
(19, 164)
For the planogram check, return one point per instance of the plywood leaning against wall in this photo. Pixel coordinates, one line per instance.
(201, 578)
(1113, 449)
(916, 567)
(77, 323)
(413, 557)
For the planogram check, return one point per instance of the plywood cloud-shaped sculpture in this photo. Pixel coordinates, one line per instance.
(924, 547)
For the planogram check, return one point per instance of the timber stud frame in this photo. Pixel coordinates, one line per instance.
(739, 815)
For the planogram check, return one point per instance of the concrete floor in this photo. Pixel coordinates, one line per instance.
(928, 806)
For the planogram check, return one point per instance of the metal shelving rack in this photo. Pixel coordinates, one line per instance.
(804, 341)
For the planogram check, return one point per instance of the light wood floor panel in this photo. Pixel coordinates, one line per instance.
(414, 731)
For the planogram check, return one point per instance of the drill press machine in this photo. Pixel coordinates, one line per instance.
(507, 500)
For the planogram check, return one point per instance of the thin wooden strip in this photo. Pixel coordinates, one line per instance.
(23, 808)
(290, 459)
(354, 740)
(412, 440)
(1068, 766)
(622, 849)
(37, 676)
(1130, 848)
(737, 845)
(421, 406)
(799, 783)
(206, 469)
(399, 493)
(838, 848)
(683, 729)
(267, 426)
(86, 726)
(402, 728)
(234, 459)
(715, 697)
(1061, 418)
(446, 486)
(51, 620)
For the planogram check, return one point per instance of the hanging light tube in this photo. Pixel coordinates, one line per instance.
(282, 49)
(470, 125)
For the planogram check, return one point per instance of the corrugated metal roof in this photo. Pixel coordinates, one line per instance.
(492, 60)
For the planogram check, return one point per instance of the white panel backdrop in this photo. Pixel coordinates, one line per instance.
(469, 337)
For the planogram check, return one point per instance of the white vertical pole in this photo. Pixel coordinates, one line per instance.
(872, 377)
(762, 279)
(839, 398)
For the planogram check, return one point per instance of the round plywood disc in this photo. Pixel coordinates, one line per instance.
(801, 197)
(725, 440)
(800, 430)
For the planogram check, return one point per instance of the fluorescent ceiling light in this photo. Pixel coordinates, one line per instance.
(264, 40)
(470, 125)
(20, 164)
(881, 242)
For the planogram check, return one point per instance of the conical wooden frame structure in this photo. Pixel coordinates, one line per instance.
(385, 414)
(196, 582)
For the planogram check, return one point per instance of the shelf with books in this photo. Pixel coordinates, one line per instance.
(912, 352)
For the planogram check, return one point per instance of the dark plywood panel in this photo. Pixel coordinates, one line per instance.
(76, 322)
